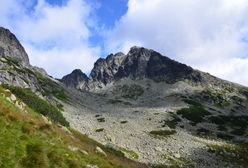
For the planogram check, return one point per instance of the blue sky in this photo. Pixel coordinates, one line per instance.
(62, 35)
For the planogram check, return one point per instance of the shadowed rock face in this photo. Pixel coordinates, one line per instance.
(139, 63)
(11, 47)
(143, 63)
(76, 79)
(105, 69)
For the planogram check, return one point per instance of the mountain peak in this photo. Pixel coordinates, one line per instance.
(78, 72)
(139, 63)
(11, 47)
(76, 79)
(136, 48)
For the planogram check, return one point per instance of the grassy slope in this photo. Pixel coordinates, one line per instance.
(37, 104)
(27, 140)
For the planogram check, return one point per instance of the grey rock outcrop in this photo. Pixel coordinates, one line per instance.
(11, 47)
(16, 70)
(76, 79)
(139, 63)
(105, 69)
(144, 63)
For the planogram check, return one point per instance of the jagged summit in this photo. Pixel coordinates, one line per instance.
(145, 63)
(139, 63)
(76, 79)
(105, 69)
(11, 47)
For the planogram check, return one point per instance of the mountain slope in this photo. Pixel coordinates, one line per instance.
(166, 112)
(29, 139)
(31, 119)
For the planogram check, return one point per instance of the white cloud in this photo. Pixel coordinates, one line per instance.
(61, 61)
(55, 37)
(205, 34)
(56, 23)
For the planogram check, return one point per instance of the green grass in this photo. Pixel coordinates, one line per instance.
(27, 141)
(37, 104)
(122, 151)
(173, 162)
(130, 153)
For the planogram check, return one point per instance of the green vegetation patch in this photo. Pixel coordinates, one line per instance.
(234, 154)
(60, 94)
(100, 130)
(244, 92)
(217, 97)
(27, 141)
(192, 102)
(122, 151)
(129, 152)
(10, 61)
(102, 119)
(129, 91)
(38, 105)
(117, 101)
(238, 124)
(172, 123)
(49, 87)
(124, 122)
(202, 132)
(175, 162)
(195, 113)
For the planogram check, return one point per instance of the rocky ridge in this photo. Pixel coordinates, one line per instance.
(139, 63)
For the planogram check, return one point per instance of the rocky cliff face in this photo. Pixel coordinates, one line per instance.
(76, 79)
(105, 69)
(16, 70)
(11, 47)
(143, 63)
(139, 63)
